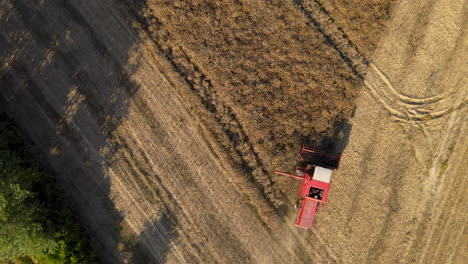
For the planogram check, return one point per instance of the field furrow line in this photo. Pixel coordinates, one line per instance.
(435, 181)
(450, 222)
(133, 220)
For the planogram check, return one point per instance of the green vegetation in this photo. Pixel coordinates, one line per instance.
(35, 226)
(427, 117)
(429, 164)
(451, 148)
(443, 166)
(129, 241)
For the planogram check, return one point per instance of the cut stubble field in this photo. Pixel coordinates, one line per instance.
(164, 120)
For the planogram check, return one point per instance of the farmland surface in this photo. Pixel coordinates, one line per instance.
(164, 121)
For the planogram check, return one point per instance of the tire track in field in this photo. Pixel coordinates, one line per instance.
(436, 185)
(149, 185)
(162, 197)
(437, 192)
(449, 221)
(409, 109)
(401, 107)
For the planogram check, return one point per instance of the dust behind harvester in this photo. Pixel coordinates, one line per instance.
(314, 171)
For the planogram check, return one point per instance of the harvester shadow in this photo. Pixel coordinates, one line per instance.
(336, 140)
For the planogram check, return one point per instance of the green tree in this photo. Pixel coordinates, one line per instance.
(34, 222)
(21, 231)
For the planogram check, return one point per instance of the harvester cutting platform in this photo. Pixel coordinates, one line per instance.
(315, 171)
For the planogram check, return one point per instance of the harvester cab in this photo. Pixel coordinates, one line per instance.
(314, 171)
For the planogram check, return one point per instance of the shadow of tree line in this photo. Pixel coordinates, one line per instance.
(65, 80)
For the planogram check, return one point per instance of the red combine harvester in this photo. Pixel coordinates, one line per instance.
(315, 171)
